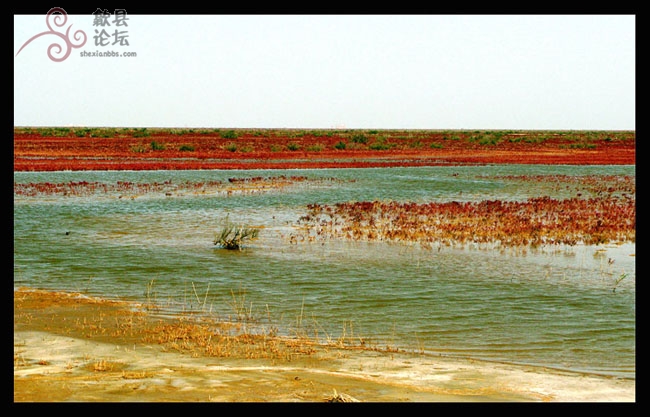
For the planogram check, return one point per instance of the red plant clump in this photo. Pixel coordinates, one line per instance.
(535, 221)
(57, 149)
(234, 185)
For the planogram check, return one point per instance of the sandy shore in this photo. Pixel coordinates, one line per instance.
(73, 348)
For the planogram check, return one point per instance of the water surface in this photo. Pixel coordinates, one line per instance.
(554, 306)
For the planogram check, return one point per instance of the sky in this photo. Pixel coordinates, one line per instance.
(563, 72)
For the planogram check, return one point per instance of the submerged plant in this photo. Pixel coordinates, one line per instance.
(618, 281)
(232, 236)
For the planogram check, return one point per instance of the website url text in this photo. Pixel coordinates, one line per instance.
(85, 54)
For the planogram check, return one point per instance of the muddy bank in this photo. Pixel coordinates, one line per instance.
(68, 347)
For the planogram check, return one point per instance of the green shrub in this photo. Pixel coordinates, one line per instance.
(228, 134)
(157, 146)
(488, 140)
(81, 133)
(184, 148)
(233, 236)
(54, 131)
(380, 145)
(141, 133)
(582, 145)
(293, 146)
(103, 132)
(340, 145)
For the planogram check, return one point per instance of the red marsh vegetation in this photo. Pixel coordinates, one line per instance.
(601, 210)
(536, 221)
(235, 185)
(79, 148)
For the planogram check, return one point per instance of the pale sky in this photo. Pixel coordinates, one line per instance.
(573, 72)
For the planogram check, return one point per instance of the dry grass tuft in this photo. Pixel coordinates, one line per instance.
(341, 398)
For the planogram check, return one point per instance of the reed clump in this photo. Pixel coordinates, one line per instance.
(233, 236)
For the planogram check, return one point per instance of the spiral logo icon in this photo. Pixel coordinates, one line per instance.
(56, 51)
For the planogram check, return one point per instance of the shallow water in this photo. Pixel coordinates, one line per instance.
(554, 306)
